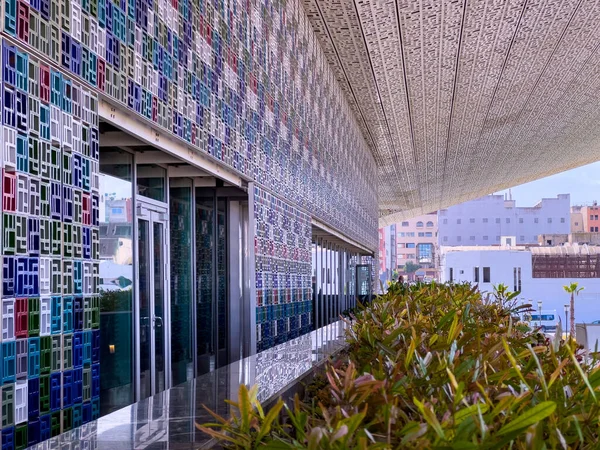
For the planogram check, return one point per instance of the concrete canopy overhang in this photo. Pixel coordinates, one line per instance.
(459, 99)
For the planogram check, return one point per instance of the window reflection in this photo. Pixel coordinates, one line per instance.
(116, 279)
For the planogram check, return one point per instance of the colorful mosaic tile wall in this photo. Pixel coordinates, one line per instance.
(243, 80)
(283, 270)
(50, 340)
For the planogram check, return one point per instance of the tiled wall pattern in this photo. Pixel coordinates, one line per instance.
(244, 81)
(283, 271)
(50, 338)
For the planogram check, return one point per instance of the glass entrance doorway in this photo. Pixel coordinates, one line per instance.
(152, 297)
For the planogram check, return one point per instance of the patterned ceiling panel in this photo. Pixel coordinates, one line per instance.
(459, 99)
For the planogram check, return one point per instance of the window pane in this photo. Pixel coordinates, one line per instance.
(151, 181)
(116, 280)
(486, 274)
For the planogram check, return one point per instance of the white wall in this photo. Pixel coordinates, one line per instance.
(502, 263)
(503, 219)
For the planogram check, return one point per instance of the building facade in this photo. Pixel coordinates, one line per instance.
(485, 220)
(590, 218)
(164, 167)
(417, 243)
(537, 273)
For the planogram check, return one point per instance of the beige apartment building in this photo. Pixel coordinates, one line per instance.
(416, 241)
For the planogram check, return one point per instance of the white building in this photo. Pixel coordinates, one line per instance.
(539, 273)
(485, 220)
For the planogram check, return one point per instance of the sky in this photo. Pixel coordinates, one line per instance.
(582, 183)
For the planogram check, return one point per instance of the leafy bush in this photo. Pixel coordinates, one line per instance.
(435, 366)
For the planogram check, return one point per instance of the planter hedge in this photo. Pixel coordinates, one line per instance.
(435, 366)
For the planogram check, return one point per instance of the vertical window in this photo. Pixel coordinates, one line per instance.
(458, 221)
(519, 278)
(419, 224)
(514, 279)
(485, 238)
(562, 220)
(472, 238)
(472, 220)
(498, 220)
(520, 220)
(486, 275)
(507, 220)
(459, 238)
(549, 219)
(476, 274)
(536, 220)
(485, 220)
(451, 274)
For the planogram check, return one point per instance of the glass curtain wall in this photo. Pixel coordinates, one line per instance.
(334, 281)
(211, 281)
(182, 311)
(116, 279)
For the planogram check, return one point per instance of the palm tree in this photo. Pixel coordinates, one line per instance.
(572, 289)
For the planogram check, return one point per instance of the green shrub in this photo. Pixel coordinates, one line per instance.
(436, 366)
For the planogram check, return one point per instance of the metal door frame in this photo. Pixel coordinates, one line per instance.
(152, 211)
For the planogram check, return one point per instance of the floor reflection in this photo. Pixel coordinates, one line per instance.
(166, 420)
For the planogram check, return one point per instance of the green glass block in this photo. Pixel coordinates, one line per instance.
(34, 155)
(95, 313)
(67, 240)
(87, 384)
(45, 199)
(9, 222)
(55, 423)
(94, 8)
(21, 436)
(67, 351)
(44, 394)
(8, 405)
(21, 235)
(45, 354)
(87, 313)
(56, 247)
(67, 419)
(56, 365)
(34, 317)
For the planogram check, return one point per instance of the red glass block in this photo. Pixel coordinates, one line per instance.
(9, 191)
(44, 83)
(23, 21)
(21, 318)
(86, 217)
(101, 75)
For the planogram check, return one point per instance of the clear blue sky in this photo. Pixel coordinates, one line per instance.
(582, 183)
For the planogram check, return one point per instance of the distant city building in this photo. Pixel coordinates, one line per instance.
(417, 243)
(585, 218)
(538, 273)
(484, 221)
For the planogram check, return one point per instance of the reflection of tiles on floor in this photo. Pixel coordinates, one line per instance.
(168, 419)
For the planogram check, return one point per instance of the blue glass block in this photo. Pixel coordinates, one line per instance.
(95, 144)
(78, 350)
(8, 276)
(87, 242)
(55, 396)
(77, 281)
(95, 380)
(10, 16)
(56, 315)
(95, 408)
(67, 315)
(86, 412)
(77, 170)
(95, 210)
(33, 398)
(66, 51)
(9, 365)
(67, 205)
(86, 179)
(45, 431)
(77, 386)
(76, 55)
(22, 82)
(56, 88)
(33, 364)
(95, 346)
(44, 122)
(9, 115)
(22, 153)
(93, 69)
(67, 101)
(9, 63)
(35, 4)
(88, 337)
(67, 388)
(8, 438)
(45, 9)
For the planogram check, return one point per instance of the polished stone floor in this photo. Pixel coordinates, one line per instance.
(167, 420)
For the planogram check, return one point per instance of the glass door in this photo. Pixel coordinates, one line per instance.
(152, 297)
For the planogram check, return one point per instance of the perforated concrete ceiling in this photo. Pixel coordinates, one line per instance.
(459, 99)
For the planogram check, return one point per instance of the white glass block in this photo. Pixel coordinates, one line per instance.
(77, 136)
(86, 112)
(45, 316)
(55, 124)
(76, 100)
(94, 168)
(67, 131)
(9, 140)
(138, 67)
(101, 41)
(94, 36)
(23, 193)
(8, 319)
(21, 400)
(34, 115)
(76, 20)
(88, 278)
(34, 197)
(45, 276)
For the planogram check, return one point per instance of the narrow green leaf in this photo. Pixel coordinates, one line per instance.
(268, 420)
(529, 417)
(469, 411)
(245, 408)
(430, 418)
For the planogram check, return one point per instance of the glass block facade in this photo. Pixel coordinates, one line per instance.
(242, 82)
(282, 249)
(50, 337)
